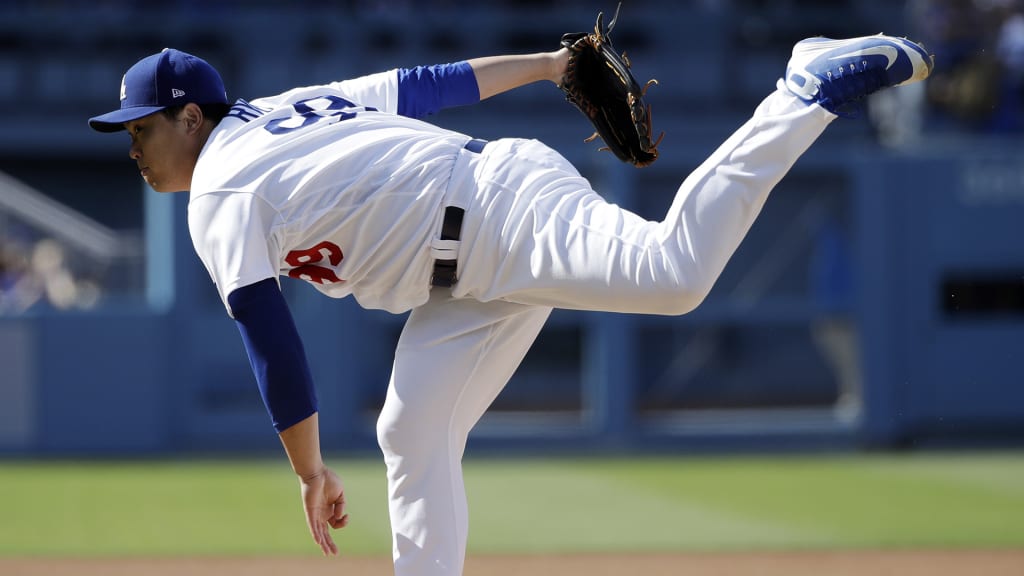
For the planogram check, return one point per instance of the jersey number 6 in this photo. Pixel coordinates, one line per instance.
(305, 263)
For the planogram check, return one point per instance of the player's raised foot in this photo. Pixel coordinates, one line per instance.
(838, 74)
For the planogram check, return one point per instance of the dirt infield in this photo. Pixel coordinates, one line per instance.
(901, 563)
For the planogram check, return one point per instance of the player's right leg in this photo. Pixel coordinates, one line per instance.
(560, 244)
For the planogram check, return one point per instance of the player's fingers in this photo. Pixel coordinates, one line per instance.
(339, 522)
(317, 529)
(314, 533)
(338, 511)
(330, 548)
(323, 538)
(325, 541)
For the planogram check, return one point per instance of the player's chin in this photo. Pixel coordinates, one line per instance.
(157, 185)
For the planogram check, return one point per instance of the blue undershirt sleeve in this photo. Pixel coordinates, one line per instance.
(425, 90)
(275, 351)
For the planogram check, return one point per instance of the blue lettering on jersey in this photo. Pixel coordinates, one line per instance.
(312, 110)
(245, 112)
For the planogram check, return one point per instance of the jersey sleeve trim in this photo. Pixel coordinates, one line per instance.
(425, 90)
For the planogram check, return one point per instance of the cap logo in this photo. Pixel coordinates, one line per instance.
(176, 93)
(124, 91)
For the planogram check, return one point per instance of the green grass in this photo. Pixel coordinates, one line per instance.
(517, 505)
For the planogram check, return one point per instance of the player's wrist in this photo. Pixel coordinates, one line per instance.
(314, 472)
(302, 444)
(309, 470)
(558, 63)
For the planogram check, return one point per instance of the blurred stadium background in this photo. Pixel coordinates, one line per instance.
(870, 323)
(878, 303)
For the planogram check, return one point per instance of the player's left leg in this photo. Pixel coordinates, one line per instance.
(452, 360)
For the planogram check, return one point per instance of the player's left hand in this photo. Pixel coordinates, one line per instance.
(323, 497)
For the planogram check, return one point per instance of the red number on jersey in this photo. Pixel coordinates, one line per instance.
(305, 263)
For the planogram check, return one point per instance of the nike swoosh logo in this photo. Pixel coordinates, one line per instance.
(889, 52)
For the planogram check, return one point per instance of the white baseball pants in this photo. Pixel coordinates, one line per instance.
(536, 236)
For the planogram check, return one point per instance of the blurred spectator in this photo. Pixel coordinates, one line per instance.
(1010, 53)
(38, 278)
(13, 267)
(978, 81)
(833, 329)
(55, 281)
(979, 61)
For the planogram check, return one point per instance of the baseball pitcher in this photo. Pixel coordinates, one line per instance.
(346, 187)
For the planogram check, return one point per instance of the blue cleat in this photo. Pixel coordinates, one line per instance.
(838, 74)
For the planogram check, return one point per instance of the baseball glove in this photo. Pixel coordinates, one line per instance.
(598, 82)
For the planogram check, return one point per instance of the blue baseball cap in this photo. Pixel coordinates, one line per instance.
(168, 78)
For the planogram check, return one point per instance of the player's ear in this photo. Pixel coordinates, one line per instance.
(192, 116)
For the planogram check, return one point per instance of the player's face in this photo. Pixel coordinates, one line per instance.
(164, 151)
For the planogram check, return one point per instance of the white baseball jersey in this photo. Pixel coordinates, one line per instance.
(326, 184)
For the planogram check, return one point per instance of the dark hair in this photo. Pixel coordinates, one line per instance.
(214, 112)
